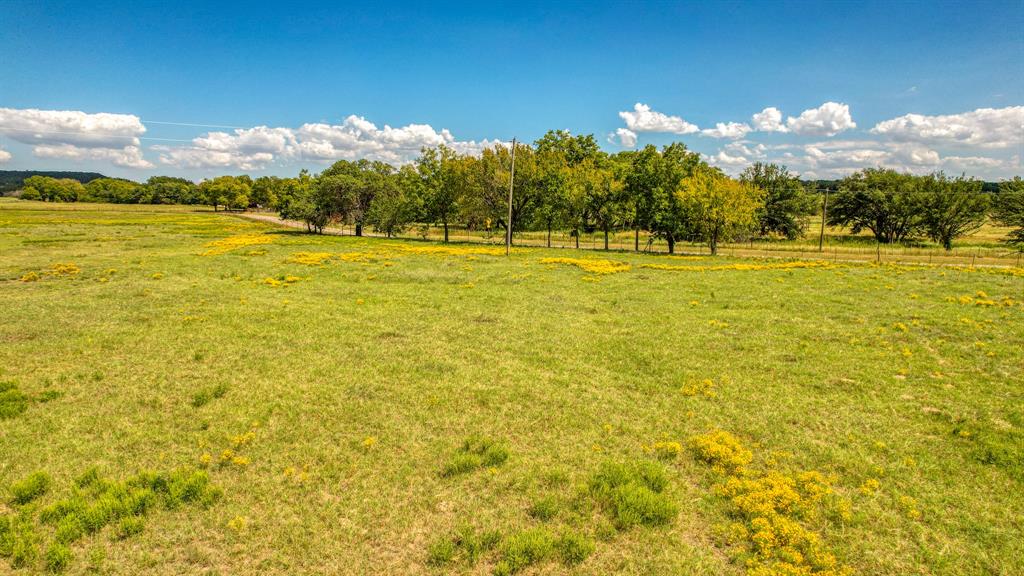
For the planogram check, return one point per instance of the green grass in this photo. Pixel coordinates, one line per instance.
(559, 377)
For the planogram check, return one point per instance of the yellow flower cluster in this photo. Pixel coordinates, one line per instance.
(721, 450)
(58, 269)
(982, 299)
(744, 266)
(592, 265)
(296, 474)
(447, 250)
(225, 245)
(360, 257)
(773, 507)
(309, 258)
(705, 387)
(231, 456)
(65, 269)
(282, 281)
(667, 450)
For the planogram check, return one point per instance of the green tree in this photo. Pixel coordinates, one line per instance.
(600, 190)
(347, 189)
(396, 203)
(228, 191)
(1009, 210)
(169, 190)
(114, 190)
(559, 155)
(668, 217)
(53, 189)
(786, 205)
(884, 201)
(489, 198)
(445, 180)
(265, 190)
(951, 208)
(718, 207)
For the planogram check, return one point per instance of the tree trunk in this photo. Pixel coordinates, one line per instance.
(714, 246)
(636, 240)
(577, 235)
(605, 238)
(549, 234)
(445, 230)
(671, 244)
(359, 228)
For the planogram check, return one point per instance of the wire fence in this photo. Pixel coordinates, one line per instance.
(835, 248)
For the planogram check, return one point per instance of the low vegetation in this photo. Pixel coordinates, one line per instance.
(411, 407)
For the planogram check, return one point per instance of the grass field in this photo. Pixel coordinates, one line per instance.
(210, 395)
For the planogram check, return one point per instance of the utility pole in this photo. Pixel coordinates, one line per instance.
(508, 223)
(824, 214)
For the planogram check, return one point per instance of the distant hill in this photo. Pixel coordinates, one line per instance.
(11, 180)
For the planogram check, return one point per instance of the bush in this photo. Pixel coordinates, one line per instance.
(69, 529)
(573, 548)
(545, 509)
(441, 552)
(475, 544)
(632, 494)
(475, 452)
(129, 526)
(31, 487)
(461, 463)
(12, 401)
(633, 504)
(58, 558)
(522, 550)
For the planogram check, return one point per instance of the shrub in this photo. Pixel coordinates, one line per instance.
(475, 452)
(573, 548)
(69, 529)
(633, 504)
(468, 541)
(201, 398)
(475, 544)
(58, 558)
(31, 487)
(48, 395)
(12, 401)
(544, 509)
(441, 552)
(129, 526)
(18, 541)
(61, 509)
(524, 549)
(633, 494)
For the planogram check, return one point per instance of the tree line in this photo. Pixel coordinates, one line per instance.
(567, 183)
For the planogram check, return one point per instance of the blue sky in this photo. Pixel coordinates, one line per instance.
(486, 72)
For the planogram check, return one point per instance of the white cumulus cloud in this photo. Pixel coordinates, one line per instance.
(102, 130)
(4, 155)
(768, 120)
(983, 128)
(643, 119)
(355, 138)
(623, 137)
(127, 157)
(76, 135)
(731, 130)
(829, 119)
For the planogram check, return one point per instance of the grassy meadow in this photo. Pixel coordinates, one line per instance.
(186, 392)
